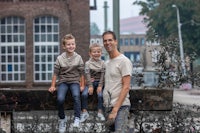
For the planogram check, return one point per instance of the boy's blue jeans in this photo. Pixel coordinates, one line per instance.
(61, 94)
(84, 97)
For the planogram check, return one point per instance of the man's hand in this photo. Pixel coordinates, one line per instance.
(52, 89)
(82, 88)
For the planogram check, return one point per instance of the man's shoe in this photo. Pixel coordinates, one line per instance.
(101, 117)
(62, 125)
(76, 122)
(84, 116)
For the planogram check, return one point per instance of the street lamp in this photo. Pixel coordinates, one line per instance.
(180, 40)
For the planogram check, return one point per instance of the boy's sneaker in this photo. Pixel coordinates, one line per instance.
(101, 117)
(84, 116)
(62, 125)
(76, 122)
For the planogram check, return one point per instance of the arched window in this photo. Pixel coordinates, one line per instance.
(12, 49)
(46, 47)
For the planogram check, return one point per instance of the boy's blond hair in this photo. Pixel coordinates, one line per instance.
(67, 37)
(94, 45)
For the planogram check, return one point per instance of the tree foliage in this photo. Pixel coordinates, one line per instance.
(161, 19)
(94, 29)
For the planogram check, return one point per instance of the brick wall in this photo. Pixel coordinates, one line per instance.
(73, 18)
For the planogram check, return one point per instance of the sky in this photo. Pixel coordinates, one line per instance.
(127, 10)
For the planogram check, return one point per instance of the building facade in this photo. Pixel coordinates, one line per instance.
(30, 38)
(135, 47)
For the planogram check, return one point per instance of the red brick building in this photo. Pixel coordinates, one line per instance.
(30, 36)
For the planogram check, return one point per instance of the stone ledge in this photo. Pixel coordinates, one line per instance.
(26, 100)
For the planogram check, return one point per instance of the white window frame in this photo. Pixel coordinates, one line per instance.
(45, 58)
(12, 50)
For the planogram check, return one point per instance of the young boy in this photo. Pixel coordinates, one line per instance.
(94, 72)
(69, 68)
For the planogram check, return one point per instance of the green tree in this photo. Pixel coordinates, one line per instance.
(94, 29)
(161, 19)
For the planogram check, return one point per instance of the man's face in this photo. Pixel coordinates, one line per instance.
(109, 43)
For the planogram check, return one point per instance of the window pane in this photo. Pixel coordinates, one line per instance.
(21, 49)
(55, 28)
(22, 67)
(3, 58)
(37, 29)
(36, 20)
(43, 28)
(3, 29)
(3, 68)
(15, 76)
(37, 76)
(43, 67)
(15, 29)
(43, 49)
(9, 76)
(3, 21)
(3, 77)
(49, 76)
(55, 37)
(49, 58)
(15, 20)
(49, 49)
(9, 38)
(22, 59)
(37, 58)
(15, 38)
(21, 38)
(9, 68)
(9, 49)
(9, 20)
(3, 50)
(56, 49)
(16, 68)
(49, 28)
(37, 67)
(43, 76)
(21, 29)
(37, 49)
(42, 19)
(49, 19)
(37, 38)
(50, 67)
(15, 58)
(9, 29)
(3, 38)
(43, 58)
(22, 76)
(49, 38)
(9, 58)
(15, 49)
(43, 38)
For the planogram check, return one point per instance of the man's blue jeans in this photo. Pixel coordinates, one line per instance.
(121, 121)
(84, 97)
(61, 94)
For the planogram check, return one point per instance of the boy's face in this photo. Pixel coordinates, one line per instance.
(95, 53)
(69, 46)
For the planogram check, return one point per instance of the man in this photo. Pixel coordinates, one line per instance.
(117, 83)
